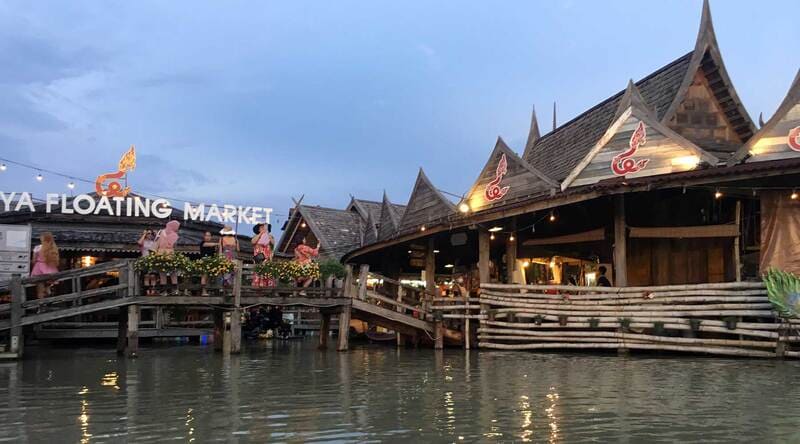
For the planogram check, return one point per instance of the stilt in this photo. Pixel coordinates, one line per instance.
(122, 330)
(324, 329)
(344, 329)
(16, 337)
(219, 328)
(132, 340)
(620, 243)
(236, 331)
(438, 335)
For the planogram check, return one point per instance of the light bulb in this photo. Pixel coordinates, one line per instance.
(491, 237)
(3, 167)
(71, 185)
(717, 194)
(511, 238)
(552, 217)
(793, 196)
(422, 228)
(464, 207)
(39, 177)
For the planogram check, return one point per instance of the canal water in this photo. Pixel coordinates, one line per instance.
(289, 392)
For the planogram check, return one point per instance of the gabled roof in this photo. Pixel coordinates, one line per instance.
(706, 57)
(338, 231)
(772, 141)
(560, 151)
(518, 180)
(426, 204)
(533, 134)
(391, 215)
(656, 153)
(370, 231)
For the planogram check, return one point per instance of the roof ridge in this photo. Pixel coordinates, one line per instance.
(613, 97)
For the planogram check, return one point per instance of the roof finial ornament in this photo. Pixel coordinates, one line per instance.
(533, 133)
(761, 119)
(554, 115)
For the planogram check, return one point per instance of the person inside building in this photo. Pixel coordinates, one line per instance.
(263, 242)
(603, 281)
(45, 261)
(208, 246)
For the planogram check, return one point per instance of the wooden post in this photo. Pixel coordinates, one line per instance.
(737, 258)
(620, 243)
(400, 339)
(122, 330)
(511, 253)
(484, 249)
(363, 275)
(344, 328)
(430, 276)
(438, 335)
(324, 329)
(236, 330)
(219, 328)
(237, 284)
(348, 282)
(466, 329)
(16, 337)
(132, 340)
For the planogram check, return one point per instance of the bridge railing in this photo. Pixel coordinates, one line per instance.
(387, 292)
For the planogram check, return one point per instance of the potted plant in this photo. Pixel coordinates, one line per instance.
(330, 270)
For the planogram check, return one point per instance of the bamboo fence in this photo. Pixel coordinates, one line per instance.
(725, 319)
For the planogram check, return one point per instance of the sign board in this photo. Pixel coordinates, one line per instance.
(15, 250)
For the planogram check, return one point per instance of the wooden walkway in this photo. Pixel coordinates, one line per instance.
(116, 286)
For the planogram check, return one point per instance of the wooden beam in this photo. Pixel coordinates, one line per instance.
(344, 329)
(511, 253)
(620, 243)
(484, 248)
(324, 329)
(597, 234)
(132, 340)
(737, 251)
(700, 231)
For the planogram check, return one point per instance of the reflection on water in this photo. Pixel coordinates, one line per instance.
(290, 392)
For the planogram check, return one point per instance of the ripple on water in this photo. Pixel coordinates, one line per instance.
(291, 392)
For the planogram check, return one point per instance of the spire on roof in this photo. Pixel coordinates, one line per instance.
(533, 133)
(632, 98)
(554, 115)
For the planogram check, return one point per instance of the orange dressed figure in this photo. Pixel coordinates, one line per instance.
(303, 254)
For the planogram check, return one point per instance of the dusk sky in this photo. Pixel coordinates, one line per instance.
(253, 102)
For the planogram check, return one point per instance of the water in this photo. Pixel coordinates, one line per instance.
(289, 392)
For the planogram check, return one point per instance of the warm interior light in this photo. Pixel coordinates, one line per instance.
(302, 225)
(552, 217)
(495, 229)
(448, 266)
(409, 251)
(717, 194)
(685, 161)
(552, 263)
(491, 237)
(464, 207)
(526, 264)
(511, 238)
(793, 196)
(88, 261)
(435, 251)
(422, 228)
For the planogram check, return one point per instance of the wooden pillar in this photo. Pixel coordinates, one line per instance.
(348, 281)
(16, 338)
(511, 253)
(122, 329)
(344, 328)
(438, 335)
(737, 257)
(620, 243)
(132, 340)
(363, 275)
(430, 276)
(236, 330)
(484, 249)
(237, 284)
(324, 329)
(219, 328)
(399, 337)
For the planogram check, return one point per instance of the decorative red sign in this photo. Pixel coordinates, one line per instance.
(115, 189)
(794, 139)
(623, 163)
(493, 190)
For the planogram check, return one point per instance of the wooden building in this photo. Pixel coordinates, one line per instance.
(665, 182)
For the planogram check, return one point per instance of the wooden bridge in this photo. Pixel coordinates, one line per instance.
(116, 287)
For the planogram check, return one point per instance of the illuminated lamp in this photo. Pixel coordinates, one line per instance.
(793, 196)
(464, 207)
(495, 229)
(685, 161)
(39, 177)
(3, 167)
(717, 194)
(448, 266)
(526, 264)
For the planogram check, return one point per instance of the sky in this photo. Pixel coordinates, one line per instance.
(253, 103)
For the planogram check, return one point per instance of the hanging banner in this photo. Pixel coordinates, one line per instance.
(623, 163)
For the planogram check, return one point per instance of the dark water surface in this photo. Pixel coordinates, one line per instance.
(289, 392)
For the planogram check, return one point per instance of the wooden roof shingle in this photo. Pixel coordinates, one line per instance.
(425, 205)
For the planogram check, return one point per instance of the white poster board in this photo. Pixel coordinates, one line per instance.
(15, 250)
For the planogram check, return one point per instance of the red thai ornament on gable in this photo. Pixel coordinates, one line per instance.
(794, 138)
(623, 163)
(493, 190)
(115, 189)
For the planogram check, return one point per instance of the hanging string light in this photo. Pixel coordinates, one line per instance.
(793, 196)
(3, 167)
(71, 185)
(39, 177)
(717, 194)
(511, 238)
(552, 216)
(422, 228)
(491, 236)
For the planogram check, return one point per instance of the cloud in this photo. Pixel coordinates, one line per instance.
(157, 175)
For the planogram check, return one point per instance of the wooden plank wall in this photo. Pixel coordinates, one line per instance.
(658, 148)
(774, 144)
(424, 206)
(520, 180)
(680, 261)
